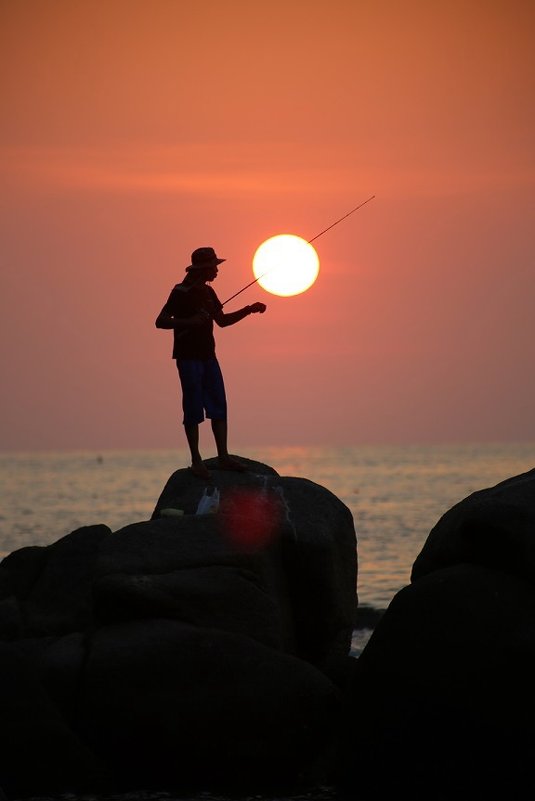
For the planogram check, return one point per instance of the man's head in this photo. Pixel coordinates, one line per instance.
(204, 263)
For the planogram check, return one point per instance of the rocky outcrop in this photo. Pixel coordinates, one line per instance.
(178, 704)
(39, 749)
(443, 688)
(494, 527)
(188, 650)
(316, 547)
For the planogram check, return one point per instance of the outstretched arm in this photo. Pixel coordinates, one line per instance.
(223, 319)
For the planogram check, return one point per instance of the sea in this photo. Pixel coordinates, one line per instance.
(395, 493)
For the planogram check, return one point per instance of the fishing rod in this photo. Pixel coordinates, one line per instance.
(309, 242)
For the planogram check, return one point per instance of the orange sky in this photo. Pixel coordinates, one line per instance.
(133, 132)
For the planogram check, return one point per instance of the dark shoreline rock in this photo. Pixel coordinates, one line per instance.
(492, 527)
(230, 713)
(443, 688)
(195, 649)
(210, 653)
(368, 617)
(317, 539)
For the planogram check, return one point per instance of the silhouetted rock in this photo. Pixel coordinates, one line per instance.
(315, 537)
(164, 702)
(185, 648)
(11, 623)
(493, 527)
(226, 597)
(443, 689)
(38, 749)
(183, 490)
(53, 583)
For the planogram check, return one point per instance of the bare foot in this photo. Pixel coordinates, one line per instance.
(201, 471)
(229, 463)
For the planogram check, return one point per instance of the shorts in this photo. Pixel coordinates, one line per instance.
(203, 390)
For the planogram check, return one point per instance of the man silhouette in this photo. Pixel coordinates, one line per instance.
(190, 311)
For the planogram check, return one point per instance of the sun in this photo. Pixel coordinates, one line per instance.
(286, 265)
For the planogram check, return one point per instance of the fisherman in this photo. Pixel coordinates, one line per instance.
(190, 311)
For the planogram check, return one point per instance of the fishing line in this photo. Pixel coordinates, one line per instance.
(309, 242)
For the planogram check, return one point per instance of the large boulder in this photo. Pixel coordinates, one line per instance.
(183, 490)
(164, 702)
(315, 536)
(39, 750)
(225, 597)
(493, 527)
(443, 689)
(52, 585)
(187, 569)
(186, 648)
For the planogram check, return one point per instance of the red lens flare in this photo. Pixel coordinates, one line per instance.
(251, 518)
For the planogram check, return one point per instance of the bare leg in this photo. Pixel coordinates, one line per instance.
(198, 467)
(226, 462)
(219, 427)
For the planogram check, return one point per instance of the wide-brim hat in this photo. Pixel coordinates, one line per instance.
(203, 258)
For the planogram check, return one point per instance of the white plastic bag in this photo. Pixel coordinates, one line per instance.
(209, 504)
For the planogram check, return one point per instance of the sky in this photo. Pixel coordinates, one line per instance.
(134, 132)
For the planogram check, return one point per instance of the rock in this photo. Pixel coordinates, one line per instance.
(168, 544)
(149, 569)
(39, 751)
(11, 622)
(53, 584)
(167, 703)
(321, 565)
(443, 689)
(59, 663)
(493, 527)
(183, 490)
(224, 597)
(187, 647)
(316, 534)
(20, 570)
